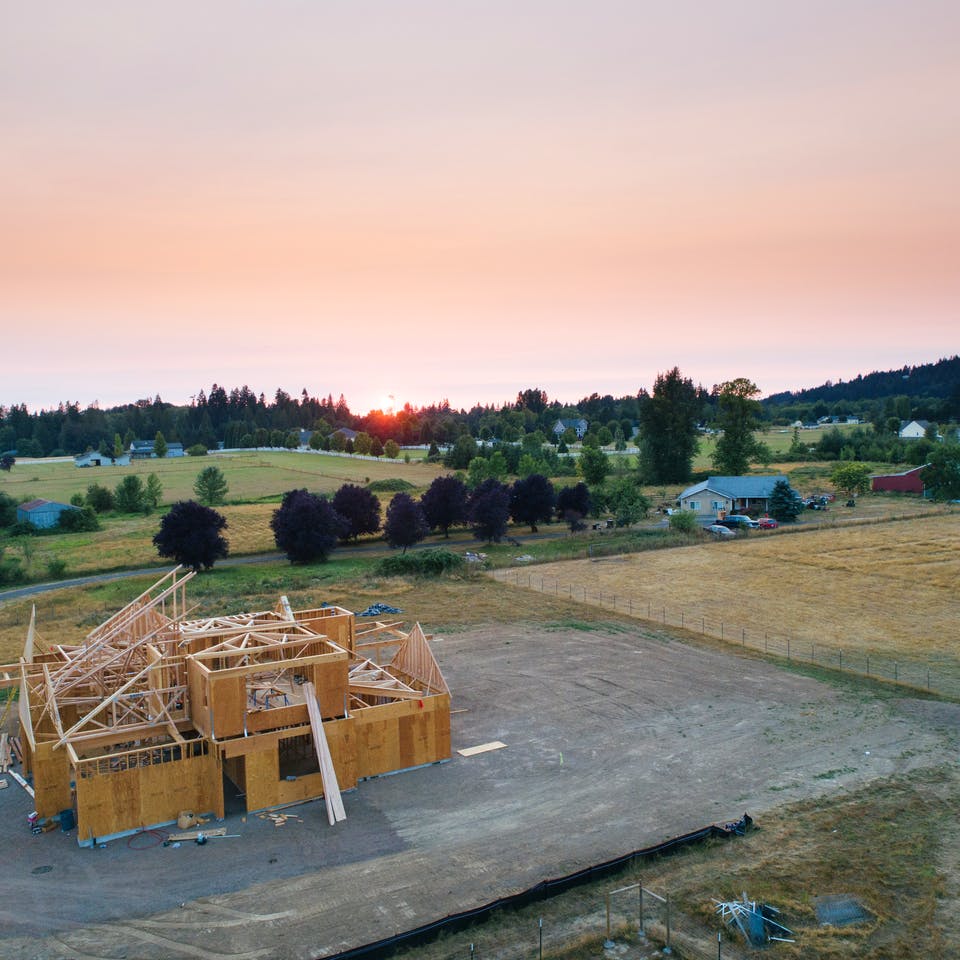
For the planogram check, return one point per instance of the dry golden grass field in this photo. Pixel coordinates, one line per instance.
(885, 589)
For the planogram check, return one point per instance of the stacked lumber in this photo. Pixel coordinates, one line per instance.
(5, 755)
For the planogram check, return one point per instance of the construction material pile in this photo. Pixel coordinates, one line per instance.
(754, 920)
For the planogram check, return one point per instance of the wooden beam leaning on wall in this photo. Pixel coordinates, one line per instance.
(331, 789)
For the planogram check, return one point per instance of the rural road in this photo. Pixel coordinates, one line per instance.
(18, 593)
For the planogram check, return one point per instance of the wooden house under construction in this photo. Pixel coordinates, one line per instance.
(154, 713)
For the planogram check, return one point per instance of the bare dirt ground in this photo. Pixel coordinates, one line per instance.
(616, 739)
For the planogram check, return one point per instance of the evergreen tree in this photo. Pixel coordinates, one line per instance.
(784, 503)
(211, 486)
(668, 429)
(160, 445)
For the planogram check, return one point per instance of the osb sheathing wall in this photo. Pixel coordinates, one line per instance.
(144, 796)
(51, 779)
(396, 736)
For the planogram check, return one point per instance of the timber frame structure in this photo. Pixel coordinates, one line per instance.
(153, 713)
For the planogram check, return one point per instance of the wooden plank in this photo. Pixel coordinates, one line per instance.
(193, 834)
(331, 791)
(482, 748)
(23, 783)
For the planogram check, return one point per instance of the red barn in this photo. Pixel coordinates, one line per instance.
(907, 482)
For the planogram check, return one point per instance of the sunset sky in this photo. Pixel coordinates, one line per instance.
(434, 199)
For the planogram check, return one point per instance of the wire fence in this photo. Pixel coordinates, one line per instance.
(917, 674)
(629, 913)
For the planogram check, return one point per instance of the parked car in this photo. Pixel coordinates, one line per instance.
(736, 520)
(767, 523)
(720, 531)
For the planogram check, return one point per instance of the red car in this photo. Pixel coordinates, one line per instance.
(768, 523)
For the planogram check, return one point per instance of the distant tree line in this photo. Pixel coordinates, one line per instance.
(663, 422)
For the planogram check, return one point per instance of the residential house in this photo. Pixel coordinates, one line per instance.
(578, 425)
(913, 429)
(346, 433)
(143, 450)
(718, 496)
(906, 482)
(42, 514)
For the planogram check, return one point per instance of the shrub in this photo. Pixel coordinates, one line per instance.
(56, 568)
(684, 522)
(79, 521)
(8, 510)
(10, 570)
(390, 485)
(197, 450)
(99, 498)
(422, 563)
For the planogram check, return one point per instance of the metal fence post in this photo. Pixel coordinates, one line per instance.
(640, 907)
(541, 938)
(608, 943)
(667, 948)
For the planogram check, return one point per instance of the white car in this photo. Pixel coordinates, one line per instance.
(721, 532)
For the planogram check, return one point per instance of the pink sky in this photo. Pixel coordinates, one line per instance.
(460, 200)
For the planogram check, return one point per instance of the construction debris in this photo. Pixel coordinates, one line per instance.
(376, 609)
(754, 920)
(841, 910)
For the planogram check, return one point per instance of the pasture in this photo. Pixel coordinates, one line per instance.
(883, 589)
(251, 474)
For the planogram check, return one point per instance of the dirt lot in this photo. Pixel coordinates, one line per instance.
(616, 739)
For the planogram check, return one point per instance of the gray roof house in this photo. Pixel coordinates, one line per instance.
(578, 425)
(42, 514)
(722, 495)
(143, 450)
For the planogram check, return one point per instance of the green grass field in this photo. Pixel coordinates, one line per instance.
(252, 475)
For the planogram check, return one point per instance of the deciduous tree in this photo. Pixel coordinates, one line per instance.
(190, 534)
(942, 474)
(738, 418)
(573, 504)
(359, 508)
(405, 524)
(593, 465)
(489, 508)
(305, 527)
(444, 504)
(532, 500)
(851, 479)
